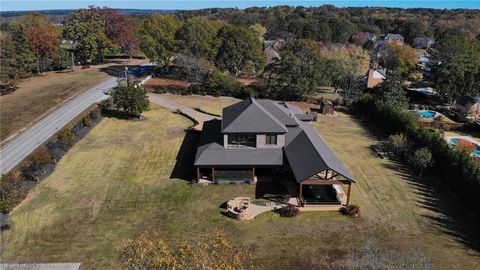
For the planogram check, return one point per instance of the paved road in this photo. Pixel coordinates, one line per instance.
(15, 151)
(200, 117)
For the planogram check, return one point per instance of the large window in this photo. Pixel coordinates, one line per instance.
(242, 140)
(271, 139)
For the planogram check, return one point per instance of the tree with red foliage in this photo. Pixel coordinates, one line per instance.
(119, 29)
(466, 146)
(44, 44)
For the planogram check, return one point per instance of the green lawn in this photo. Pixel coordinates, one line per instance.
(115, 183)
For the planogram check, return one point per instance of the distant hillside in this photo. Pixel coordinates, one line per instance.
(56, 16)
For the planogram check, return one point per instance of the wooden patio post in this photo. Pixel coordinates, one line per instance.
(253, 174)
(300, 195)
(213, 174)
(198, 173)
(348, 193)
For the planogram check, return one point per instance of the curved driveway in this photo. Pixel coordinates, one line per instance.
(200, 117)
(14, 152)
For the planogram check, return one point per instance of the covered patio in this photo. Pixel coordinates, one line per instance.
(325, 188)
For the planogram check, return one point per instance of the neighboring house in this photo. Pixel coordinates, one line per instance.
(375, 77)
(271, 49)
(423, 42)
(469, 105)
(424, 61)
(397, 38)
(361, 37)
(264, 139)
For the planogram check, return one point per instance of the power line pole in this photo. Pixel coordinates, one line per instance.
(126, 75)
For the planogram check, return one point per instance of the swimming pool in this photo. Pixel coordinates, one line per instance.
(476, 152)
(425, 91)
(426, 114)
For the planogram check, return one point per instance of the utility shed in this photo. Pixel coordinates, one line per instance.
(326, 107)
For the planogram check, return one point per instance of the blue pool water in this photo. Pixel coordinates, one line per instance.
(424, 91)
(426, 114)
(141, 69)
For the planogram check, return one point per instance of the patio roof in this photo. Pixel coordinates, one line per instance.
(308, 154)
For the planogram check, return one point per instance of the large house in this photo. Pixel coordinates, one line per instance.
(395, 38)
(259, 139)
(469, 105)
(271, 49)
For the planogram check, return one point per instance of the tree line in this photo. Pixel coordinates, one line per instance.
(325, 46)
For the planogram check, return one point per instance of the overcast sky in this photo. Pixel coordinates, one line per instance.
(10, 5)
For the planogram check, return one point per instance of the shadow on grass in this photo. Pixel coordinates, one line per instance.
(120, 115)
(449, 215)
(185, 158)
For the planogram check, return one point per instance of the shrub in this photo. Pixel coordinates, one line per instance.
(288, 211)
(421, 159)
(66, 138)
(11, 192)
(397, 144)
(107, 104)
(87, 121)
(95, 114)
(40, 157)
(351, 210)
(150, 251)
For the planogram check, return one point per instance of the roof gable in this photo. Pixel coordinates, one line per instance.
(467, 100)
(284, 115)
(308, 154)
(248, 116)
(394, 37)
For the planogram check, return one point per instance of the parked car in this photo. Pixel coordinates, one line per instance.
(85, 66)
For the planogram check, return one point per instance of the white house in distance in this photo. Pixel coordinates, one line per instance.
(469, 105)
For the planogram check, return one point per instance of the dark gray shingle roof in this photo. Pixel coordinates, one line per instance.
(308, 154)
(466, 100)
(248, 116)
(305, 150)
(282, 114)
(210, 151)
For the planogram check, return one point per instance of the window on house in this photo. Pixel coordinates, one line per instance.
(242, 140)
(271, 139)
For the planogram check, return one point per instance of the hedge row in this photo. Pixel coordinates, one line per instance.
(16, 184)
(455, 168)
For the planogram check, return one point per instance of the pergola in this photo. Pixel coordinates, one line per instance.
(327, 177)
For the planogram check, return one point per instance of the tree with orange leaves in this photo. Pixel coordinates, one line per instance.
(466, 146)
(44, 44)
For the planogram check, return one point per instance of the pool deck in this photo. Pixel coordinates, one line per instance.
(467, 138)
